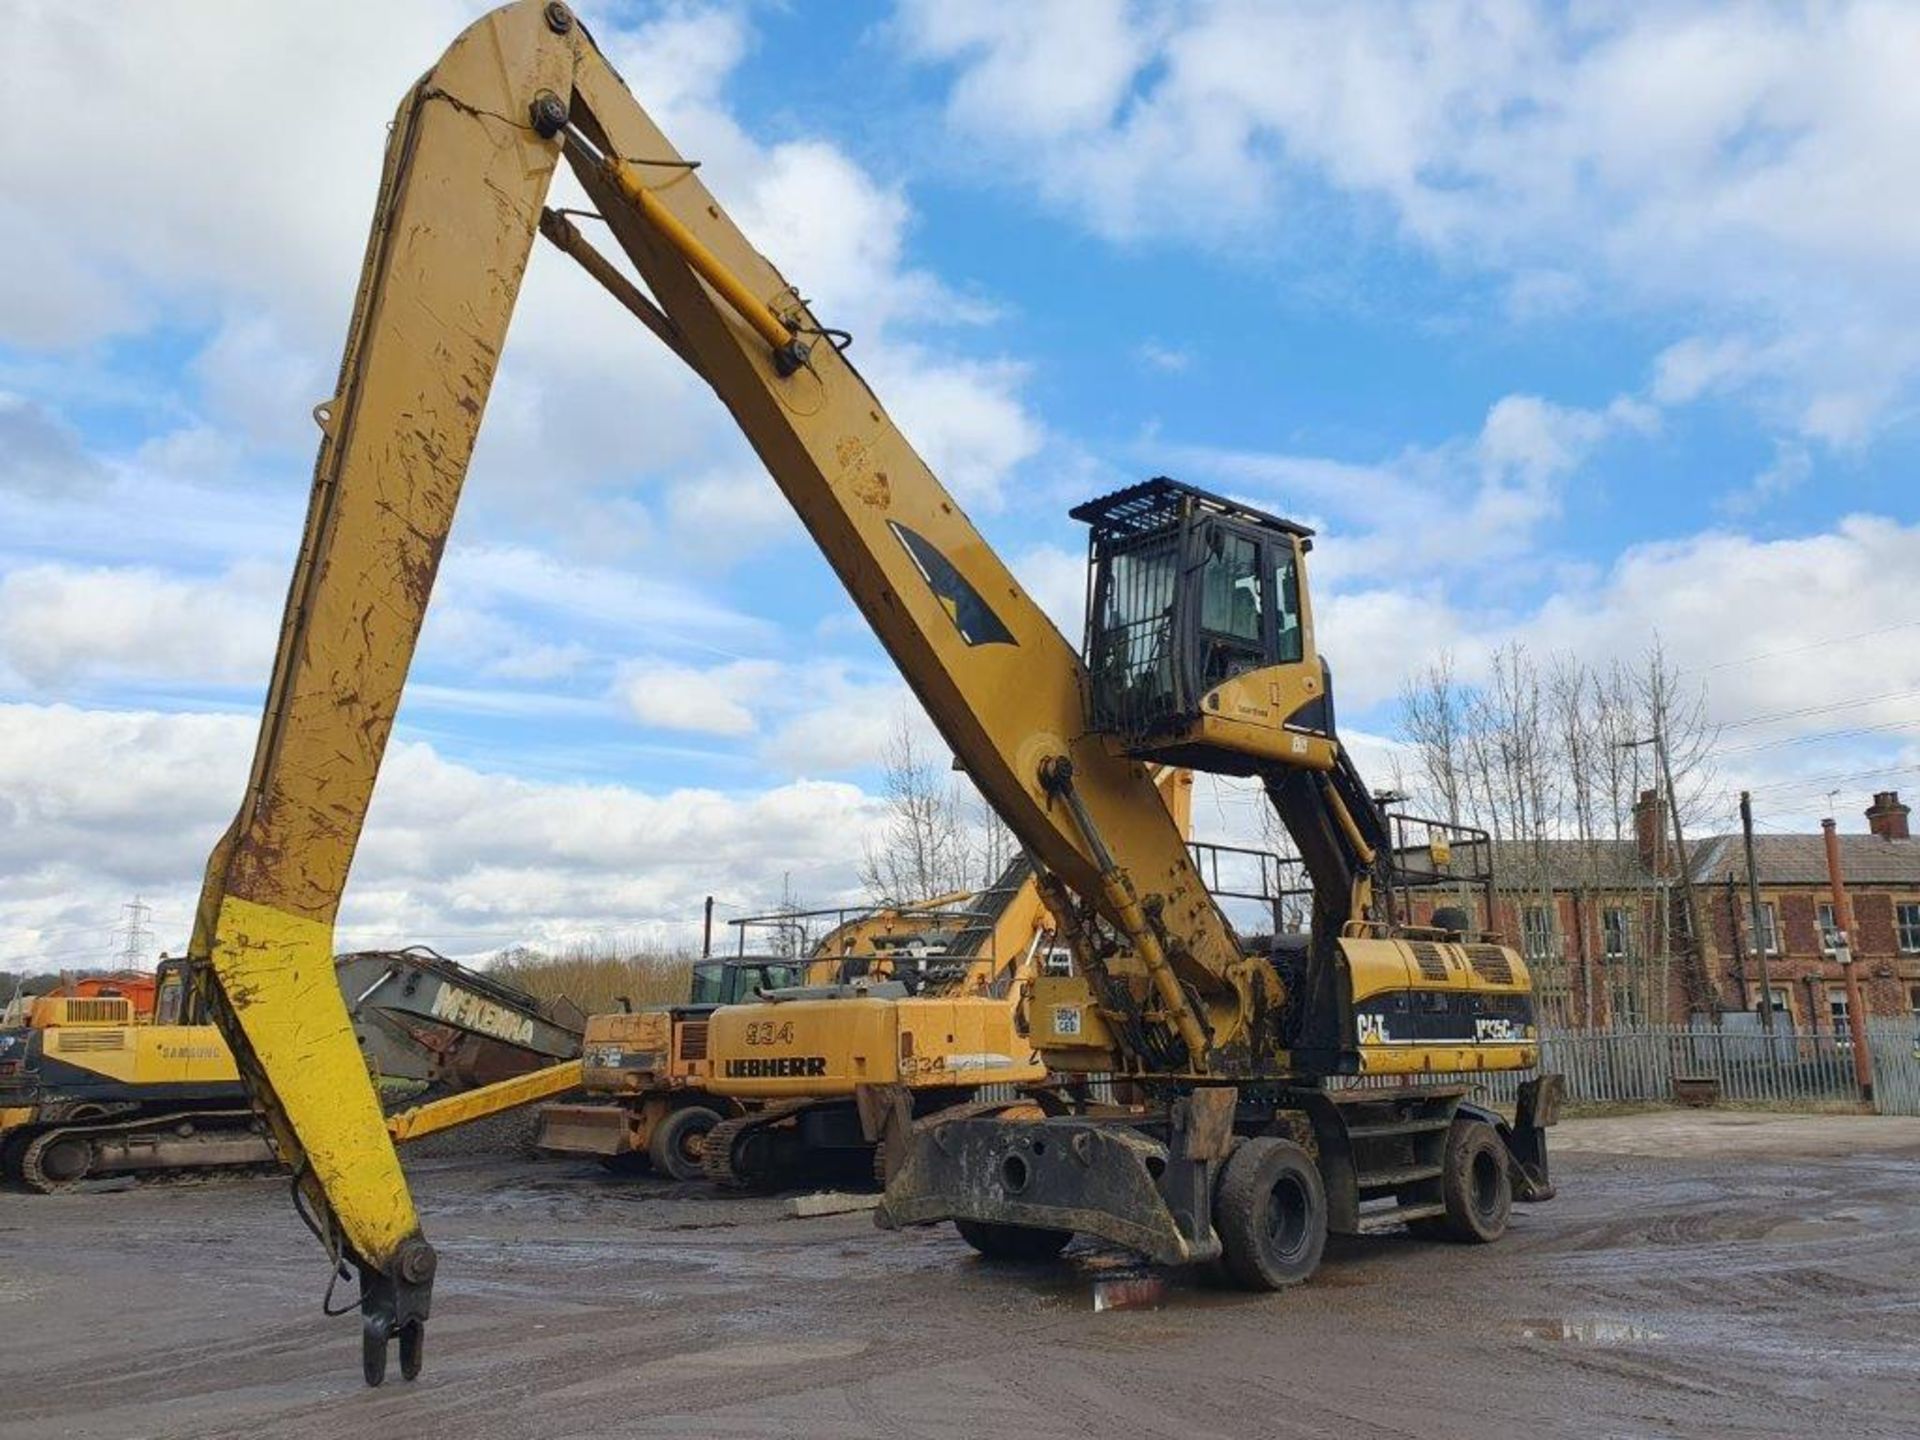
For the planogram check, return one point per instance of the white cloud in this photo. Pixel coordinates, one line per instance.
(1167, 359)
(721, 700)
(964, 418)
(1769, 627)
(254, 233)
(1443, 509)
(61, 625)
(40, 455)
(1790, 468)
(96, 805)
(1057, 581)
(1748, 164)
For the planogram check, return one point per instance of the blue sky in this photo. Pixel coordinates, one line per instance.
(1565, 324)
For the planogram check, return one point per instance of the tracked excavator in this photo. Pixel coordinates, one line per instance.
(130, 1076)
(1245, 1146)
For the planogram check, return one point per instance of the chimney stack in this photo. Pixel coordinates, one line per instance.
(1650, 831)
(1887, 817)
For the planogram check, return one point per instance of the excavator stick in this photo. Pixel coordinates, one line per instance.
(420, 1121)
(459, 202)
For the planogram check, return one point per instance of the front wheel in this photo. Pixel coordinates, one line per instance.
(679, 1140)
(1020, 1244)
(1271, 1212)
(1475, 1185)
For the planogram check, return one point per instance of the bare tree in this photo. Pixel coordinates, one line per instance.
(925, 849)
(1682, 745)
(1433, 718)
(992, 843)
(1551, 762)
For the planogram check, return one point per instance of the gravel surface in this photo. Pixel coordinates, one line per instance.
(1701, 1275)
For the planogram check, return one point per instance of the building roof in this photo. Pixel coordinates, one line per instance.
(1602, 863)
(1866, 860)
(1802, 860)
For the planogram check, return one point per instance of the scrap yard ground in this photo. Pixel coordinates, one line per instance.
(1702, 1274)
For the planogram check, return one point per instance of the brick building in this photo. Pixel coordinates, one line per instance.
(1603, 923)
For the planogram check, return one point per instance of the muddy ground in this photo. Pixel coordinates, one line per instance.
(1722, 1275)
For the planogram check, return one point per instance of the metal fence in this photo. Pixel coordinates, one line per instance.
(1785, 1068)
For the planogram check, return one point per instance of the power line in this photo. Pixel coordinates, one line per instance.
(1816, 709)
(1815, 782)
(1818, 735)
(1804, 649)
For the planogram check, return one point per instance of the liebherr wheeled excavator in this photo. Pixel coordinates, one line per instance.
(1202, 655)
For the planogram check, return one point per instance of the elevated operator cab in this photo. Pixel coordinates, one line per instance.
(736, 981)
(1200, 632)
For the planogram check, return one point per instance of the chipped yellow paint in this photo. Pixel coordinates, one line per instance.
(276, 971)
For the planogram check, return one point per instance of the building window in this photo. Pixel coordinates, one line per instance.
(1536, 925)
(1769, 937)
(1613, 933)
(1782, 1003)
(1906, 924)
(1913, 1000)
(1837, 1009)
(1626, 1005)
(1823, 913)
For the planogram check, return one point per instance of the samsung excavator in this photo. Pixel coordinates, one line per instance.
(1248, 1143)
(129, 1077)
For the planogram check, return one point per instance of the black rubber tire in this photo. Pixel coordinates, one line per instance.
(1016, 1244)
(668, 1146)
(1475, 1185)
(1271, 1211)
(413, 1349)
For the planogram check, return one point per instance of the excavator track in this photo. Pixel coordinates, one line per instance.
(61, 1157)
(726, 1163)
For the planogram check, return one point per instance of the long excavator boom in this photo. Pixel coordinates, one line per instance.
(471, 155)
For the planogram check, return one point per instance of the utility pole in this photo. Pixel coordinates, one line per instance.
(1843, 951)
(1753, 910)
(706, 933)
(1702, 986)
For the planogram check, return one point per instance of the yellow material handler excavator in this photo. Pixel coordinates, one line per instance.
(1201, 654)
(761, 1092)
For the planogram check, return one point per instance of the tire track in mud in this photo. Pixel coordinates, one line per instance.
(1751, 1300)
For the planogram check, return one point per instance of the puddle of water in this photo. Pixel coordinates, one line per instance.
(1817, 1227)
(756, 1354)
(1139, 1292)
(1588, 1332)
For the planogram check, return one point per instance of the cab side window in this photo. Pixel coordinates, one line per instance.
(1289, 638)
(1231, 624)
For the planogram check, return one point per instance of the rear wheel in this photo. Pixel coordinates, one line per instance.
(1475, 1185)
(679, 1141)
(1271, 1212)
(1020, 1244)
